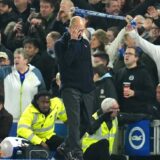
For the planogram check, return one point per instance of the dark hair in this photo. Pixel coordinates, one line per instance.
(102, 55)
(33, 41)
(7, 2)
(138, 50)
(51, 2)
(40, 94)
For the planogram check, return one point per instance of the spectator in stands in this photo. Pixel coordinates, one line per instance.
(5, 120)
(112, 7)
(14, 38)
(112, 33)
(45, 18)
(41, 132)
(3, 62)
(153, 51)
(102, 58)
(32, 47)
(51, 38)
(144, 59)
(21, 83)
(77, 86)
(99, 40)
(104, 85)
(63, 17)
(139, 95)
(6, 13)
(139, 19)
(4, 59)
(22, 9)
(7, 51)
(39, 59)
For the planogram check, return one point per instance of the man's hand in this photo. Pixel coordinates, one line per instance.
(128, 19)
(43, 144)
(36, 21)
(17, 27)
(75, 33)
(128, 93)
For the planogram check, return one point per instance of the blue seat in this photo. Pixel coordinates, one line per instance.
(60, 129)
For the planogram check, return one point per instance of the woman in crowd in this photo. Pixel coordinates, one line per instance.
(21, 83)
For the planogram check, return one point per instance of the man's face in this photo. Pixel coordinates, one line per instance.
(50, 42)
(19, 61)
(98, 61)
(94, 43)
(4, 8)
(114, 8)
(44, 104)
(46, 9)
(31, 49)
(130, 58)
(3, 61)
(79, 26)
(110, 35)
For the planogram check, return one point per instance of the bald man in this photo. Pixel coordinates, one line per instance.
(77, 86)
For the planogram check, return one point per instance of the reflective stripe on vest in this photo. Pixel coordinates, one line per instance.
(30, 137)
(44, 129)
(23, 126)
(35, 117)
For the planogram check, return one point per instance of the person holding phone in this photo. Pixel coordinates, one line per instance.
(77, 87)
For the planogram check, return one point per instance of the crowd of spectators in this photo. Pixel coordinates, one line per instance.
(121, 52)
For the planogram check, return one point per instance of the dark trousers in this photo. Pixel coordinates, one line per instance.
(54, 142)
(78, 106)
(98, 151)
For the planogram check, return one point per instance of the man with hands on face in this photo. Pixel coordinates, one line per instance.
(99, 145)
(77, 86)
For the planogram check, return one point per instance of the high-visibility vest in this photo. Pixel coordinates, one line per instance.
(36, 127)
(102, 133)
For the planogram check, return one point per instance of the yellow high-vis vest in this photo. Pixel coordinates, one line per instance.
(34, 126)
(102, 133)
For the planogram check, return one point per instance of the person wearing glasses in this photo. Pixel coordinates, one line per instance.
(134, 86)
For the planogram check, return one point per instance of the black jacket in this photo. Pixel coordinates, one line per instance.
(104, 88)
(5, 123)
(47, 65)
(74, 60)
(142, 85)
